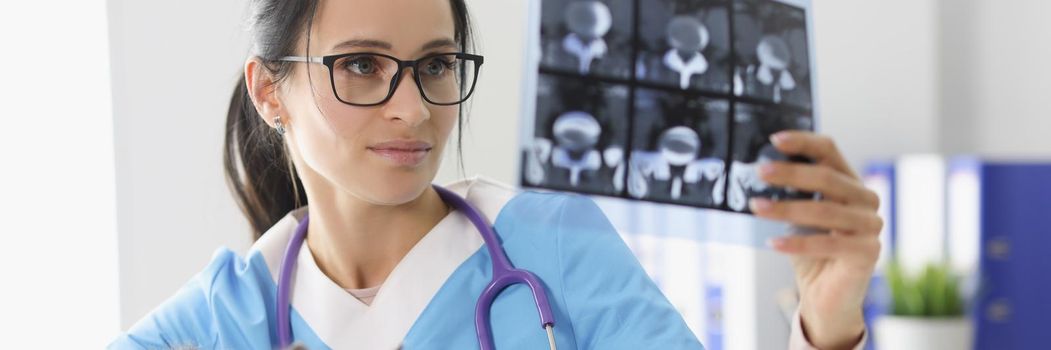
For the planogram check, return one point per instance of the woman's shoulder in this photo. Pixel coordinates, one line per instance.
(558, 211)
(499, 201)
(228, 297)
(229, 274)
(222, 305)
(488, 196)
(537, 217)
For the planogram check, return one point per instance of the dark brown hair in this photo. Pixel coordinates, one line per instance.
(256, 161)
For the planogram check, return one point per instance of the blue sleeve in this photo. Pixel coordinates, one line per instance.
(220, 307)
(611, 301)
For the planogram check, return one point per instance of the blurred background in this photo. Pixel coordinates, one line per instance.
(114, 193)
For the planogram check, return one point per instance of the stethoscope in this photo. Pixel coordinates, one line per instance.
(504, 275)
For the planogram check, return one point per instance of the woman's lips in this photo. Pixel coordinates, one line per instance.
(402, 153)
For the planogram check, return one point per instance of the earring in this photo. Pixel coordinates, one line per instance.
(278, 126)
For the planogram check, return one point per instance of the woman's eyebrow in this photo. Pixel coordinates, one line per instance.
(439, 43)
(383, 45)
(362, 44)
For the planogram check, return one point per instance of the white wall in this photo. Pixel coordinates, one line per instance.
(58, 256)
(997, 78)
(950, 76)
(877, 65)
(174, 68)
(490, 142)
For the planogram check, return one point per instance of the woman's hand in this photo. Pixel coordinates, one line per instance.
(832, 270)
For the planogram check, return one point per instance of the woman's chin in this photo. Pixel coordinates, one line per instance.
(396, 188)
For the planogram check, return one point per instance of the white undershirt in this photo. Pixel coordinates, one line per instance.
(365, 294)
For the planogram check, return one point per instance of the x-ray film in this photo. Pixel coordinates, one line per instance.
(669, 101)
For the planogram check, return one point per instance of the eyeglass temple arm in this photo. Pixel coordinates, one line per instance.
(308, 59)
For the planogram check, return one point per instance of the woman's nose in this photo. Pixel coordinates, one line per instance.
(407, 104)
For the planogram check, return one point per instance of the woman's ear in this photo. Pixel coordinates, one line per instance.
(263, 90)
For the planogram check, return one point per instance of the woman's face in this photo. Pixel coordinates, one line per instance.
(386, 154)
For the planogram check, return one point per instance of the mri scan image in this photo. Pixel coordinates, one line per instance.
(579, 136)
(685, 44)
(587, 37)
(679, 148)
(668, 101)
(753, 126)
(773, 62)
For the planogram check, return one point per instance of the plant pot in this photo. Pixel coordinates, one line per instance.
(920, 333)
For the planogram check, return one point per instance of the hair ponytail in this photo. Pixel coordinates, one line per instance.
(257, 164)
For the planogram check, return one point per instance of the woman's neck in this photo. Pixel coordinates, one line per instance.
(357, 244)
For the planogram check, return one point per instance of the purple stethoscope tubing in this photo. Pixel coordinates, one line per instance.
(504, 275)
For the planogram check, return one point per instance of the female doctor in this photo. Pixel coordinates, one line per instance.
(347, 105)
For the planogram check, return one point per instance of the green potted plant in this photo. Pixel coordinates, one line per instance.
(927, 311)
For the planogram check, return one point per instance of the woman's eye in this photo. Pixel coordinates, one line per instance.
(437, 67)
(361, 65)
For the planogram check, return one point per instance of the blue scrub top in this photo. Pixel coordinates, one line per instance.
(601, 296)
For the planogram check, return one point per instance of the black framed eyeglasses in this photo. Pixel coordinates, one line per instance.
(370, 79)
